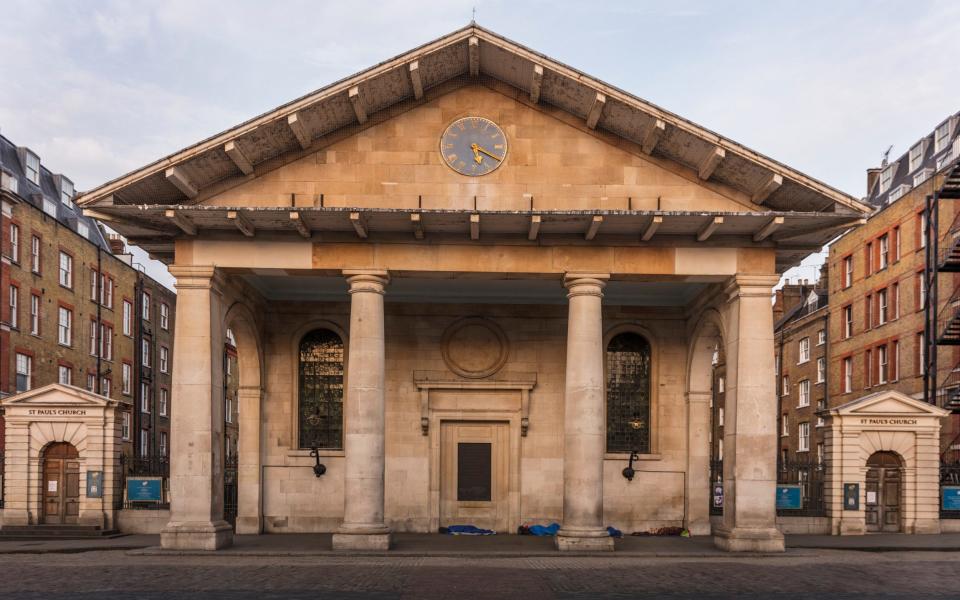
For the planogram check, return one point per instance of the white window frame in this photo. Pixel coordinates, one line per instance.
(67, 192)
(13, 301)
(164, 316)
(164, 401)
(164, 359)
(803, 393)
(64, 375)
(848, 271)
(66, 270)
(882, 306)
(125, 426)
(50, 207)
(804, 350)
(31, 167)
(821, 337)
(821, 369)
(847, 375)
(882, 364)
(106, 342)
(64, 326)
(886, 178)
(915, 157)
(848, 321)
(126, 377)
(14, 242)
(106, 386)
(145, 398)
(36, 305)
(127, 318)
(228, 408)
(145, 352)
(144, 442)
(23, 368)
(803, 437)
(884, 243)
(35, 254)
(941, 137)
(145, 307)
(163, 443)
(921, 176)
(785, 426)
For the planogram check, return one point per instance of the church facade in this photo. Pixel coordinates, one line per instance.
(472, 285)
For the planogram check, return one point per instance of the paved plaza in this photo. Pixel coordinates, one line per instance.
(800, 573)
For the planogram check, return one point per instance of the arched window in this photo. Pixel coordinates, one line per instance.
(628, 394)
(321, 390)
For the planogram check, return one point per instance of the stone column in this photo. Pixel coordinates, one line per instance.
(584, 441)
(363, 413)
(23, 476)
(196, 428)
(249, 485)
(750, 421)
(698, 484)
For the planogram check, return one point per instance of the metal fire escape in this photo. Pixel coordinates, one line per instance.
(942, 323)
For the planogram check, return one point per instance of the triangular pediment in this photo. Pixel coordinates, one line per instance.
(889, 403)
(57, 394)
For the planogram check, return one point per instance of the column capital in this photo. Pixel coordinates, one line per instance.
(197, 277)
(750, 286)
(585, 284)
(367, 280)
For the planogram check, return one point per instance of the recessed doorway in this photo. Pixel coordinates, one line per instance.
(884, 486)
(474, 474)
(61, 484)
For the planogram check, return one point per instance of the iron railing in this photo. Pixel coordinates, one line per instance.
(949, 477)
(810, 476)
(151, 466)
(716, 487)
(230, 490)
(3, 477)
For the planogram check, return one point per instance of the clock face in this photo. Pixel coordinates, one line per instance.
(473, 146)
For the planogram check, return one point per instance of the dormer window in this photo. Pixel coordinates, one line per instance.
(941, 137)
(916, 157)
(812, 301)
(83, 229)
(922, 176)
(50, 206)
(31, 166)
(886, 177)
(897, 192)
(66, 190)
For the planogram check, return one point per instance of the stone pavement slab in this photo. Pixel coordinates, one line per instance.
(878, 542)
(127, 542)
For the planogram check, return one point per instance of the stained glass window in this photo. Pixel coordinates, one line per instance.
(321, 390)
(628, 394)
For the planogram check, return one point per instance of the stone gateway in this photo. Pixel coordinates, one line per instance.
(472, 283)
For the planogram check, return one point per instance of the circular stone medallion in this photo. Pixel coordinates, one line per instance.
(474, 347)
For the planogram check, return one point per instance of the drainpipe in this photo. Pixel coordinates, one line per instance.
(97, 385)
(137, 364)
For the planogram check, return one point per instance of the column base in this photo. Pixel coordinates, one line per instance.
(196, 536)
(743, 539)
(584, 541)
(362, 538)
(249, 525)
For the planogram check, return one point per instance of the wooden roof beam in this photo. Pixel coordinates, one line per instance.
(417, 222)
(415, 81)
(594, 227)
(182, 221)
(296, 126)
(768, 187)
(535, 83)
(474, 47)
(765, 231)
(651, 229)
(299, 225)
(593, 117)
(358, 108)
(707, 230)
(179, 179)
(474, 226)
(652, 137)
(359, 224)
(242, 222)
(710, 162)
(238, 158)
(534, 229)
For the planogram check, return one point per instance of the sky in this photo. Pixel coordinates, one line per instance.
(99, 88)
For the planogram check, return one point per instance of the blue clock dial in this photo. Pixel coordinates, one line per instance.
(473, 146)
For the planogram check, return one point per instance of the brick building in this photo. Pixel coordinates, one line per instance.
(801, 339)
(75, 309)
(877, 287)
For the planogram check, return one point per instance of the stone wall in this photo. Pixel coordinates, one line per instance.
(294, 500)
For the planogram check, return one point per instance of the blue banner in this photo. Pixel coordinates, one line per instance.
(951, 497)
(789, 497)
(144, 489)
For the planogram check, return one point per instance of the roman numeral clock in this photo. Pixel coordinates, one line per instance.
(473, 146)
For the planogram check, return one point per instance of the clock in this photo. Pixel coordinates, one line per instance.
(473, 146)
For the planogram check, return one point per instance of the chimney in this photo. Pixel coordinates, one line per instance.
(778, 306)
(823, 281)
(872, 175)
(792, 296)
(116, 244)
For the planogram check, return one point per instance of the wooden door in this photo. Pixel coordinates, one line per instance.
(61, 484)
(883, 487)
(474, 475)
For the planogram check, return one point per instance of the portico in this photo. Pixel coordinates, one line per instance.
(473, 348)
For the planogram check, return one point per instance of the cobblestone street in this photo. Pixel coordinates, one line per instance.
(801, 574)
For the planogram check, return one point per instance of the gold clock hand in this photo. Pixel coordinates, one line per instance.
(493, 156)
(476, 152)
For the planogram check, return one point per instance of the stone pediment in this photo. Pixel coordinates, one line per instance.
(888, 403)
(57, 394)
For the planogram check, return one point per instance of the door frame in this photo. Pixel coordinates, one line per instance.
(61, 483)
(881, 499)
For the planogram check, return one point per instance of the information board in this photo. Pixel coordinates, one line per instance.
(950, 500)
(851, 496)
(94, 484)
(144, 489)
(789, 497)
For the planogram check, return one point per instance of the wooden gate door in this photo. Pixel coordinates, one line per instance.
(474, 474)
(884, 478)
(61, 484)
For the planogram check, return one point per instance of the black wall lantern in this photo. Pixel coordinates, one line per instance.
(318, 469)
(636, 424)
